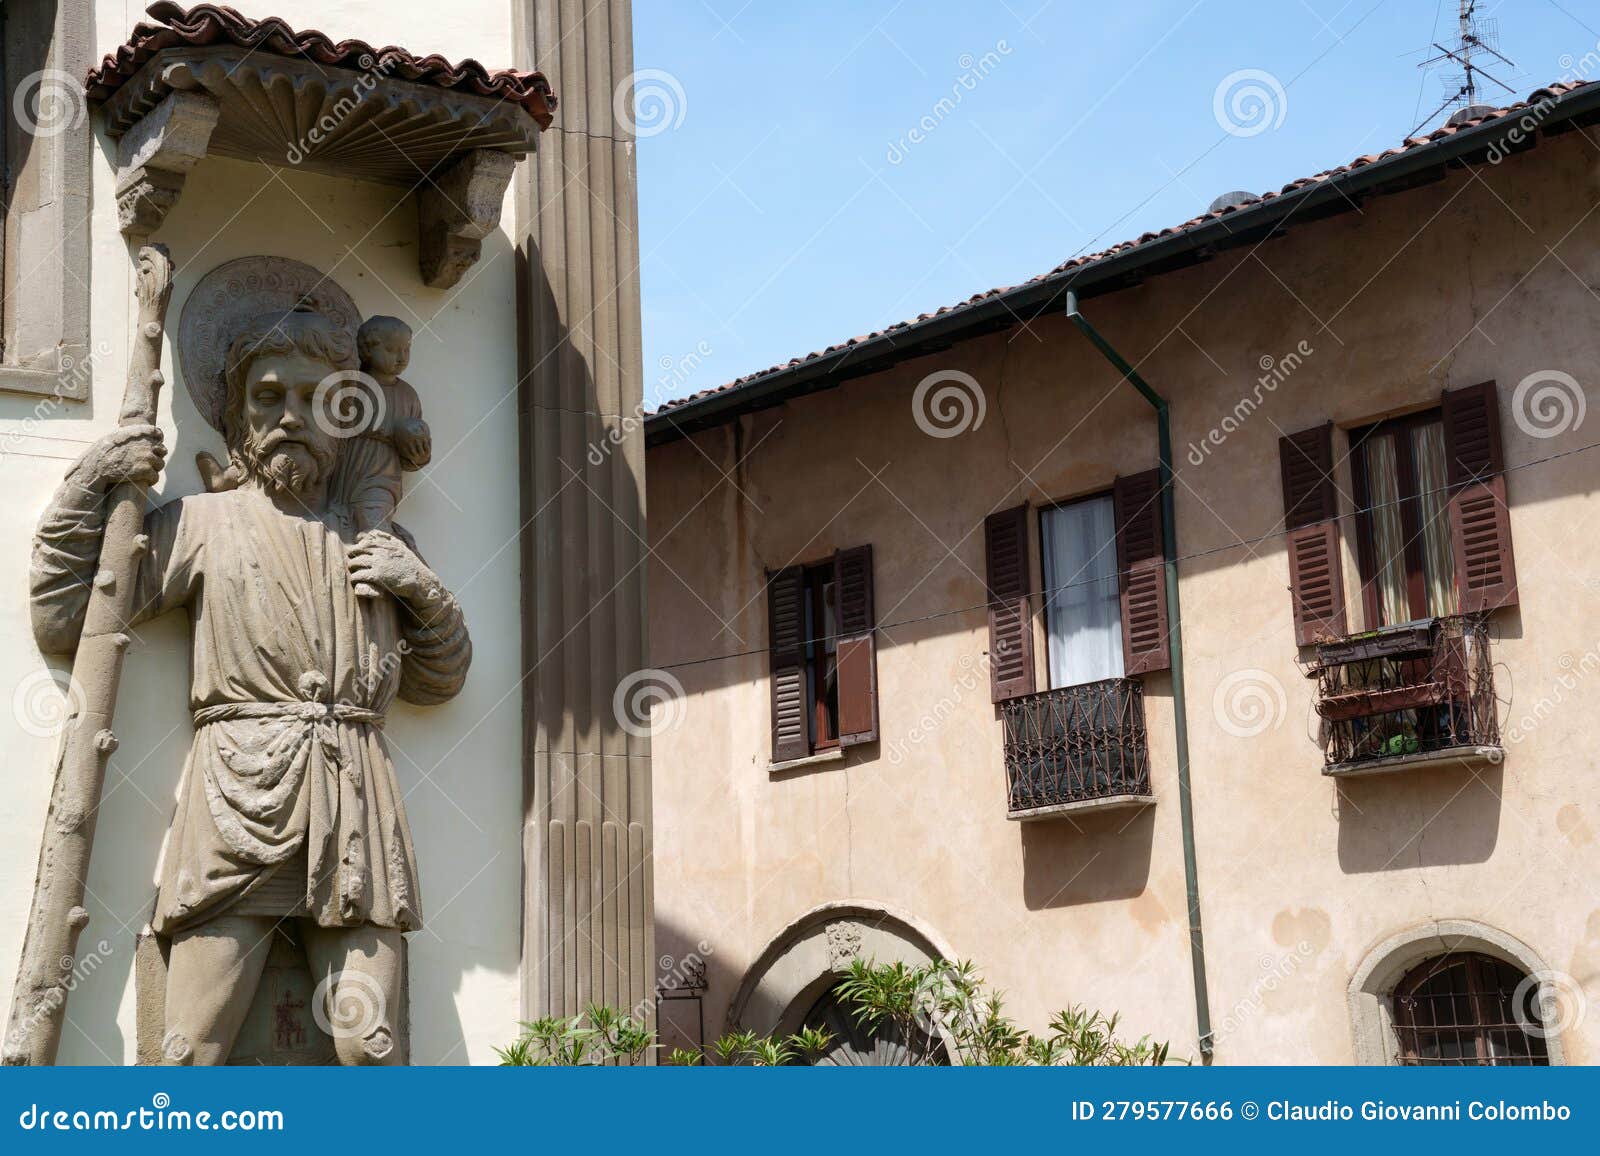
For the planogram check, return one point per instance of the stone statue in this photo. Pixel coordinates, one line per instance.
(395, 438)
(288, 807)
(387, 434)
(56, 916)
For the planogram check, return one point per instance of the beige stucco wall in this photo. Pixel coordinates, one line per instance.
(459, 765)
(1443, 286)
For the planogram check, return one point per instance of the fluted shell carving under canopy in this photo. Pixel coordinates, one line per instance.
(294, 113)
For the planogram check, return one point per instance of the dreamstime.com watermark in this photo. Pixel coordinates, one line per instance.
(973, 679)
(49, 102)
(948, 403)
(44, 703)
(375, 671)
(73, 380)
(159, 1116)
(1521, 129)
(674, 372)
(78, 969)
(351, 1005)
(649, 102)
(974, 70)
(1548, 403)
(649, 702)
(1249, 102)
(349, 403)
(372, 71)
(1548, 1003)
(1273, 971)
(1573, 672)
(1250, 702)
(1274, 372)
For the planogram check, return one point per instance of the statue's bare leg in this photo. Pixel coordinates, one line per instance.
(358, 972)
(211, 978)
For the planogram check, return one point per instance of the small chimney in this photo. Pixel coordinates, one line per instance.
(1237, 199)
(1471, 113)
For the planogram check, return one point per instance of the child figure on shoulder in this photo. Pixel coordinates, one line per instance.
(393, 440)
(397, 439)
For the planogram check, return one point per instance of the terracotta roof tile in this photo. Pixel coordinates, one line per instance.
(1553, 90)
(209, 24)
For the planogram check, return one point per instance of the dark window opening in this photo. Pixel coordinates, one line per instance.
(1469, 1009)
(1402, 520)
(822, 654)
(823, 646)
(852, 1044)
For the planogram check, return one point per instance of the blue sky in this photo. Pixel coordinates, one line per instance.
(785, 205)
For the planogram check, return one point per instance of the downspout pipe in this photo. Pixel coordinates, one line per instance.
(1180, 712)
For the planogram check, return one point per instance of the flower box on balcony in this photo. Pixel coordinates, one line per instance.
(1411, 695)
(1363, 703)
(1414, 638)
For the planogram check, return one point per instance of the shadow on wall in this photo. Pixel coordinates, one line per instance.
(1443, 816)
(596, 604)
(683, 954)
(1089, 858)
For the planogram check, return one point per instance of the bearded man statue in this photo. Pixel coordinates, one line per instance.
(288, 806)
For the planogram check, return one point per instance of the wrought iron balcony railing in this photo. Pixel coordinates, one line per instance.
(1407, 693)
(1076, 748)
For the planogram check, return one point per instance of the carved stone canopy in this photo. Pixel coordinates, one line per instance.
(214, 82)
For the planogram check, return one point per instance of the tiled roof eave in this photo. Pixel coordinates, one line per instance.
(211, 25)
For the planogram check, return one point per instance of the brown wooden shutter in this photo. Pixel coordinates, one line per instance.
(1141, 573)
(1480, 520)
(1310, 510)
(857, 647)
(1005, 538)
(786, 642)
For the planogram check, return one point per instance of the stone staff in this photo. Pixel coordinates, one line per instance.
(47, 972)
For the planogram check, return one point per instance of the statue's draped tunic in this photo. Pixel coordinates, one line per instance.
(289, 773)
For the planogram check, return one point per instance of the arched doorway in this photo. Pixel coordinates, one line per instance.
(791, 983)
(855, 1046)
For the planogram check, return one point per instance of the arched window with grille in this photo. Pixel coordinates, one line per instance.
(1469, 1008)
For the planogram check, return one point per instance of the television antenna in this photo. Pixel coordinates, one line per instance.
(1475, 36)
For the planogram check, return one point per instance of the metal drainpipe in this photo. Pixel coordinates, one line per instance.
(1180, 713)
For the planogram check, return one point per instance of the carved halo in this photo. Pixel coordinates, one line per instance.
(228, 298)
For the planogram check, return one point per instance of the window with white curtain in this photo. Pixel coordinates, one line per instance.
(1403, 521)
(1083, 616)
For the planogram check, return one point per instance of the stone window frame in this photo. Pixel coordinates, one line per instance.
(54, 221)
(1371, 990)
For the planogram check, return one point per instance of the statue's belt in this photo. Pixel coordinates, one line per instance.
(309, 712)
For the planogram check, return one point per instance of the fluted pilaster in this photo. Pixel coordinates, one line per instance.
(587, 913)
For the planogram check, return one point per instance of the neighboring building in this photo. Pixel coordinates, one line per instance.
(913, 589)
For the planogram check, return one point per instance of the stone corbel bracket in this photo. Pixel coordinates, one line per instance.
(457, 149)
(155, 155)
(457, 211)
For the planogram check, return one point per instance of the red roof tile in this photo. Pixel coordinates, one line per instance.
(1410, 143)
(209, 24)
